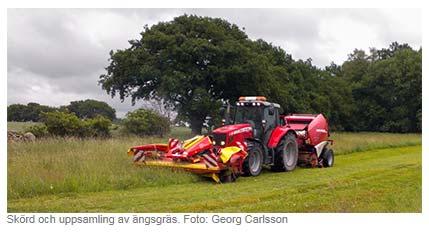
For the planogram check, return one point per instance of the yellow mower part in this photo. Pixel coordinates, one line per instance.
(215, 177)
(190, 142)
(198, 168)
(227, 152)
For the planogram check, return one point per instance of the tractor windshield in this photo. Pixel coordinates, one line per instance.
(248, 114)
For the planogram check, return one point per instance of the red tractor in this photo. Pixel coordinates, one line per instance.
(256, 136)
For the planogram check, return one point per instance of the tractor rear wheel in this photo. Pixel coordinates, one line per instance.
(252, 165)
(286, 156)
(327, 157)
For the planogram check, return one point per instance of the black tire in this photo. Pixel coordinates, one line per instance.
(228, 177)
(252, 165)
(286, 157)
(327, 157)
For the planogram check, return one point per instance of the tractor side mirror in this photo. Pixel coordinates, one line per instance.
(222, 111)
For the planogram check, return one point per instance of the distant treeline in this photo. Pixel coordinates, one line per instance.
(85, 109)
(380, 91)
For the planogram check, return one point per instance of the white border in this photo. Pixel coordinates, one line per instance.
(332, 223)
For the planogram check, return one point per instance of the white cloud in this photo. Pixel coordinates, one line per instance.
(340, 36)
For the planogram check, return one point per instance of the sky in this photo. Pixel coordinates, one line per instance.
(56, 56)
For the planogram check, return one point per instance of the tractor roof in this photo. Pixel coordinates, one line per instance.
(258, 99)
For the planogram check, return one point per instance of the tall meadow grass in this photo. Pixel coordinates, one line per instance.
(53, 166)
(348, 142)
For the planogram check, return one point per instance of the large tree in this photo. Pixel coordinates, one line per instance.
(192, 62)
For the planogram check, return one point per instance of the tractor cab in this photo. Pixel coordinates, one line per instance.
(263, 116)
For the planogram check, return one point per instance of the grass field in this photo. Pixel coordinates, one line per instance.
(19, 126)
(57, 175)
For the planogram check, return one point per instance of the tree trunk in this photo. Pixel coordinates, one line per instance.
(196, 125)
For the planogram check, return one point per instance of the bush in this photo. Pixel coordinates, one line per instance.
(39, 130)
(98, 126)
(68, 124)
(63, 124)
(146, 122)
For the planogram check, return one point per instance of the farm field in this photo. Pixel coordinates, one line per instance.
(373, 172)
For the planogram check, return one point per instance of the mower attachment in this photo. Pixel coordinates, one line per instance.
(197, 155)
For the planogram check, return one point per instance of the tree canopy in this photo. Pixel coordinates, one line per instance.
(191, 62)
(29, 112)
(195, 63)
(89, 108)
(387, 92)
(83, 109)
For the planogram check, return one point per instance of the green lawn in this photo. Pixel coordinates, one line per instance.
(384, 180)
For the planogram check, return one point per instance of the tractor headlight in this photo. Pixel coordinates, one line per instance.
(214, 142)
(222, 143)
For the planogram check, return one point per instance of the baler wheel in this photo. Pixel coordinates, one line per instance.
(287, 154)
(328, 157)
(252, 165)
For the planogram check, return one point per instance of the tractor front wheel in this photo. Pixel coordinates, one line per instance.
(252, 165)
(287, 154)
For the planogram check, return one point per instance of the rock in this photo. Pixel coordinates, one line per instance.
(28, 136)
(13, 136)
